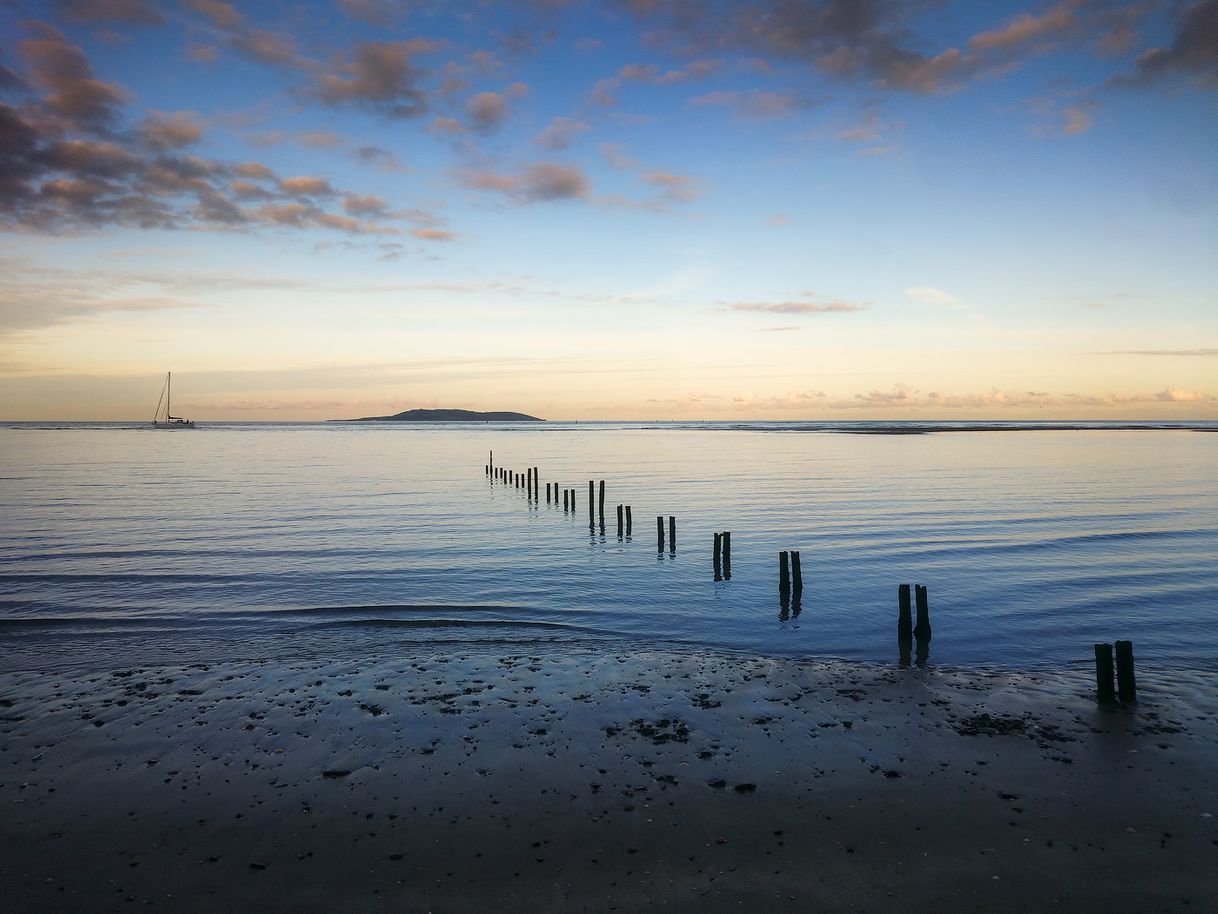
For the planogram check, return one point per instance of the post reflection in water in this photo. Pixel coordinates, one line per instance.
(921, 652)
(790, 604)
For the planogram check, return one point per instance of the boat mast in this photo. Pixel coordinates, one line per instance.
(168, 396)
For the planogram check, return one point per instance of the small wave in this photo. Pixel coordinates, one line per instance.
(457, 623)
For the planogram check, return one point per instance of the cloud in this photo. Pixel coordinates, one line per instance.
(615, 156)
(906, 397)
(867, 39)
(537, 183)
(28, 307)
(374, 12)
(73, 92)
(674, 188)
(932, 296)
(1204, 353)
(238, 35)
(559, 133)
(304, 186)
(381, 158)
(487, 110)
(807, 306)
(753, 103)
(67, 162)
(432, 234)
(163, 132)
(1193, 52)
(127, 12)
(653, 75)
(1027, 27)
(797, 399)
(379, 76)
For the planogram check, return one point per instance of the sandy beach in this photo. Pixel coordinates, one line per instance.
(585, 782)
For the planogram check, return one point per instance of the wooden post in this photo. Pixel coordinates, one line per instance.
(717, 561)
(490, 462)
(619, 521)
(591, 503)
(784, 575)
(629, 521)
(922, 628)
(601, 502)
(536, 494)
(1127, 687)
(672, 533)
(797, 576)
(566, 499)
(727, 555)
(660, 534)
(1104, 691)
(904, 617)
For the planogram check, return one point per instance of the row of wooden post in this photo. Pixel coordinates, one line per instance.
(790, 581)
(530, 481)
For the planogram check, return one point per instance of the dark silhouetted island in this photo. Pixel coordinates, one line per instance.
(447, 415)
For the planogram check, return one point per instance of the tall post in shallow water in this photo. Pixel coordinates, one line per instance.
(601, 502)
(536, 494)
(591, 503)
(727, 555)
(784, 574)
(1127, 688)
(619, 521)
(672, 534)
(659, 534)
(797, 575)
(904, 614)
(629, 521)
(716, 561)
(922, 627)
(1105, 692)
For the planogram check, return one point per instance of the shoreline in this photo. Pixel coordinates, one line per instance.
(577, 780)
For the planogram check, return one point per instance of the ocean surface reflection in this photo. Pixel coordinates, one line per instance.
(261, 539)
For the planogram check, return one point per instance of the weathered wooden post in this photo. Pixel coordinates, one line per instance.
(922, 628)
(1105, 693)
(1127, 688)
(601, 503)
(784, 575)
(591, 503)
(629, 521)
(660, 534)
(727, 555)
(536, 484)
(717, 561)
(904, 616)
(566, 499)
(619, 521)
(797, 575)
(672, 533)
(490, 463)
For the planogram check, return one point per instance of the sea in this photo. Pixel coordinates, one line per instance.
(125, 545)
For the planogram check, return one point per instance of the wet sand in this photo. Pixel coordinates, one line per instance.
(579, 781)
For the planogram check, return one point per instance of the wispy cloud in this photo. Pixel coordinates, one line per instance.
(929, 295)
(1204, 353)
(805, 306)
(906, 397)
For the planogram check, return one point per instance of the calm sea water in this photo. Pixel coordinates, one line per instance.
(124, 545)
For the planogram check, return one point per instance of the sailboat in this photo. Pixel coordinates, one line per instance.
(166, 420)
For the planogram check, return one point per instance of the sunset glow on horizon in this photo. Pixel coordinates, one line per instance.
(647, 209)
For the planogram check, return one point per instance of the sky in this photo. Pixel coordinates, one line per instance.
(631, 209)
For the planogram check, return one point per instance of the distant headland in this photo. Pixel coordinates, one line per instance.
(447, 415)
